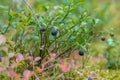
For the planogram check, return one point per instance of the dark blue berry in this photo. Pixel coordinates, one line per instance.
(90, 78)
(42, 29)
(103, 38)
(112, 34)
(81, 53)
(54, 32)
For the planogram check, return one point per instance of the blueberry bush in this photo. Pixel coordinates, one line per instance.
(40, 40)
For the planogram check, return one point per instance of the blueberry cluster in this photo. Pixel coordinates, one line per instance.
(53, 32)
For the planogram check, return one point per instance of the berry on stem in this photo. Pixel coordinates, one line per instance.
(81, 53)
(112, 34)
(42, 29)
(103, 38)
(54, 32)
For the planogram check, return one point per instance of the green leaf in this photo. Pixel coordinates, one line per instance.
(2, 53)
(13, 13)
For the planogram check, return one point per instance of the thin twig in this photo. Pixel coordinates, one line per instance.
(65, 14)
(30, 7)
(50, 22)
(37, 78)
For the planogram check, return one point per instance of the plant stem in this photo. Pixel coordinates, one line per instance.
(55, 44)
(83, 64)
(65, 15)
(33, 78)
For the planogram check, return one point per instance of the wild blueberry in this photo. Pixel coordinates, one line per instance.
(54, 32)
(112, 34)
(103, 38)
(42, 29)
(90, 78)
(81, 53)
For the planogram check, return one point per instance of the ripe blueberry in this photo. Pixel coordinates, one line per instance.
(103, 38)
(81, 53)
(42, 29)
(112, 34)
(54, 32)
(90, 78)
